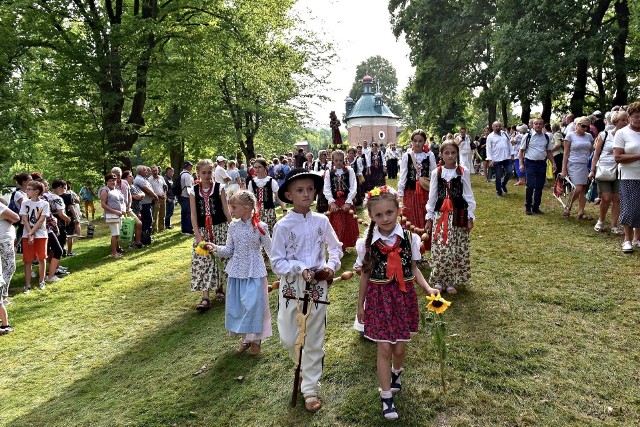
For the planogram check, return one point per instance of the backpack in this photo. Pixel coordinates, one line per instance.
(280, 173)
(12, 202)
(176, 187)
(528, 138)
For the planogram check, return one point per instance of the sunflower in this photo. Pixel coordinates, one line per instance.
(202, 249)
(437, 304)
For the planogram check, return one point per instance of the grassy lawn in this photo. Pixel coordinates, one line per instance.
(546, 334)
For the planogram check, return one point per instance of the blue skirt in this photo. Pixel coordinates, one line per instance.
(244, 305)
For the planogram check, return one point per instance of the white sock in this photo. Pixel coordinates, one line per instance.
(386, 394)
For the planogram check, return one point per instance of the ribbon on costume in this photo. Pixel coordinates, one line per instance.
(394, 262)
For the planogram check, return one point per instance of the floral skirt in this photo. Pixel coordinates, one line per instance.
(390, 315)
(450, 263)
(207, 272)
(345, 225)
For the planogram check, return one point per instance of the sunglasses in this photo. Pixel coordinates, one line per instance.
(585, 126)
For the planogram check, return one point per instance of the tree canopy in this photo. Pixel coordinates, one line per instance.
(385, 81)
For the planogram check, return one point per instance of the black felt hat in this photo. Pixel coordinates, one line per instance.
(299, 173)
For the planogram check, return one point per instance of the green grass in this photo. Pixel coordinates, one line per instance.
(545, 334)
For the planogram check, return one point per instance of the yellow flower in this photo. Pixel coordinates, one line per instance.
(437, 304)
(374, 192)
(202, 249)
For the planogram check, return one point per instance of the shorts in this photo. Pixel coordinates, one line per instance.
(608, 186)
(37, 250)
(115, 228)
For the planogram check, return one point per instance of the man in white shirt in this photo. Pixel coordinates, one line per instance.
(220, 175)
(159, 186)
(535, 150)
(499, 157)
(391, 157)
(142, 182)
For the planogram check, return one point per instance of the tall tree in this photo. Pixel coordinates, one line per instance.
(385, 81)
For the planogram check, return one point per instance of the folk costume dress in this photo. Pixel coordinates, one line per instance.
(322, 205)
(266, 191)
(377, 168)
(414, 197)
(391, 303)
(301, 242)
(451, 203)
(358, 168)
(212, 224)
(247, 304)
(340, 187)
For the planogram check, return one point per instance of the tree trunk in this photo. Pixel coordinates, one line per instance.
(582, 63)
(526, 111)
(546, 108)
(618, 48)
(505, 112)
(492, 112)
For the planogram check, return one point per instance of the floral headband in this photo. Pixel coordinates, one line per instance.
(385, 189)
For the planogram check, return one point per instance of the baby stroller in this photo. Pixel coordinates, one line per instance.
(563, 190)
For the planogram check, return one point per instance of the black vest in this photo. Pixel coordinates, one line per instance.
(411, 171)
(455, 192)
(379, 261)
(215, 206)
(267, 195)
(333, 180)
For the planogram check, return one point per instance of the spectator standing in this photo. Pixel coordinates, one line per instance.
(299, 158)
(186, 184)
(141, 181)
(88, 195)
(170, 199)
(7, 261)
(499, 157)
(159, 187)
(533, 153)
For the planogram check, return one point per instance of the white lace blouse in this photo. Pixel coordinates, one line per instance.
(243, 247)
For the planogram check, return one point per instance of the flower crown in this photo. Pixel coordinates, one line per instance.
(385, 189)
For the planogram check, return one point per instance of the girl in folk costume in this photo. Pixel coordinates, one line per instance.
(389, 271)
(321, 166)
(355, 162)
(376, 169)
(451, 205)
(247, 305)
(415, 168)
(340, 190)
(209, 217)
(308, 164)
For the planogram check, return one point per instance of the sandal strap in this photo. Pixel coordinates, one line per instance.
(391, 408)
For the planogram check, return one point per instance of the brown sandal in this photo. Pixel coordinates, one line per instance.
(244, 346)
(255, 349)
(220, 296)
(585, 217)
(204, 305)
(312, 403)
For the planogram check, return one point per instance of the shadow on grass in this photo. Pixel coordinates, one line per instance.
(145, 391)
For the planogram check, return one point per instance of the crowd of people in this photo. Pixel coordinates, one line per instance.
(231, 214)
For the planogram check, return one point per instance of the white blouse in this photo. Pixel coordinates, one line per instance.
(326, 190)
(387, 240)
(243, 247)
(301, 242)
(448, 175)
(404, 164)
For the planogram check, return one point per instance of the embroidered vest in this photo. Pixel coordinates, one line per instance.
(339, 183)
(379, 262)
(376, 160)
(267, 194)
(412, 177)
(215, 206)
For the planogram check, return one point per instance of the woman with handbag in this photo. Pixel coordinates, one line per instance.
(606, 173)
(626, 150)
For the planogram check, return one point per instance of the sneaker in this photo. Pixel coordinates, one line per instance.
(528, 212)
(636, 244)
(71, 253)
(120, 250)
(60, 272)
(627, 247)
(26, 289)
(5, 329)
(537, 212)
(598, 226)
(52, 279)
(616, 230)
(6, 301)
(42, 285)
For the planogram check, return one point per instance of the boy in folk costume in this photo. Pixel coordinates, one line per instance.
(299, 256)
(340, 190)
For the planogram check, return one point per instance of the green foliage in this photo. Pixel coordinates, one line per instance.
(385, 81)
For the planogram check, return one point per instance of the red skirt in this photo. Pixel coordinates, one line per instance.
(415, 209)
(345, 225)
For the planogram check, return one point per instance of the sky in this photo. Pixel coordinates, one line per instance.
(358, 29)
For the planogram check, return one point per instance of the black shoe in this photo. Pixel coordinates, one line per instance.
(538, 212)
(169, 227)
(528, 212)
(120, 250)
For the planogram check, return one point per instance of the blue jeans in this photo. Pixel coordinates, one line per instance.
(536, 173)
(502, 171)
(185, 215)
(167, 218)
